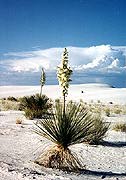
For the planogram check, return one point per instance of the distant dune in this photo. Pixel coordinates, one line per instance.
(87, 92)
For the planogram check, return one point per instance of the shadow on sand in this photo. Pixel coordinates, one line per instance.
(103, 174)
(114, 144)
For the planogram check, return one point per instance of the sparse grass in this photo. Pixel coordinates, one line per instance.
(6, 105)
(107, 111)
(117, 111)
(120, 127)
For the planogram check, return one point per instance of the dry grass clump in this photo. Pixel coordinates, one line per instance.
(120, 127)
(6, 105)
(60, 158)
(117, 111)
(107, 111)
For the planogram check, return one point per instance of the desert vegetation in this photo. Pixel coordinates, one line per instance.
(69, 123)
(105, 109)
(64, 130)
(12, 103)
(9, 103)
(120, 127)
(35, 106)
(98, 130)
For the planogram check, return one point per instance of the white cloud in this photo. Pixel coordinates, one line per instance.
(103, 58)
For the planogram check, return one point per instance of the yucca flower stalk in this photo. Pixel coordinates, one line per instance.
(42, 80)
(63, 73)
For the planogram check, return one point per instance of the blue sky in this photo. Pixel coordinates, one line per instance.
(28, 24)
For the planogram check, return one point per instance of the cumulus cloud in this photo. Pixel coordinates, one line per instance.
(103, 58)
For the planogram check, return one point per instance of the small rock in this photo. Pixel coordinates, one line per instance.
(103, 176)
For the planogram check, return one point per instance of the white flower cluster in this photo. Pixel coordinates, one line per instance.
(63, 73)
(43, 77)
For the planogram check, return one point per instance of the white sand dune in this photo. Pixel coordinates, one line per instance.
(95, 92)
(19, 147)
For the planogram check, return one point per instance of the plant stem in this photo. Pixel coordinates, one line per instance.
(64, 104)
(41, 91)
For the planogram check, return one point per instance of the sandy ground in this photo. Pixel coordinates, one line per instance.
(20, 146)
(94, 92)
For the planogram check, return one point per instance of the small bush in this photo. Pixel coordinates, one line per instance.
(35, 106)
(107, 111)
(99, 101)
(120, 127)
(98, 129)
(11, 98)
(117, 111)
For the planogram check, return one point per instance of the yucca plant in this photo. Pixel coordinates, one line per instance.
(35, 106)
(67, 125)
(64, 130)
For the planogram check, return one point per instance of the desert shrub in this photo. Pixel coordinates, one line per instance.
(107, 112)
(11, 98)
(120, 127)
(99, 130)
(117, 111)
(120, 109)
(99, 101)
(124, 109)
(35, 106)
(75, 126)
